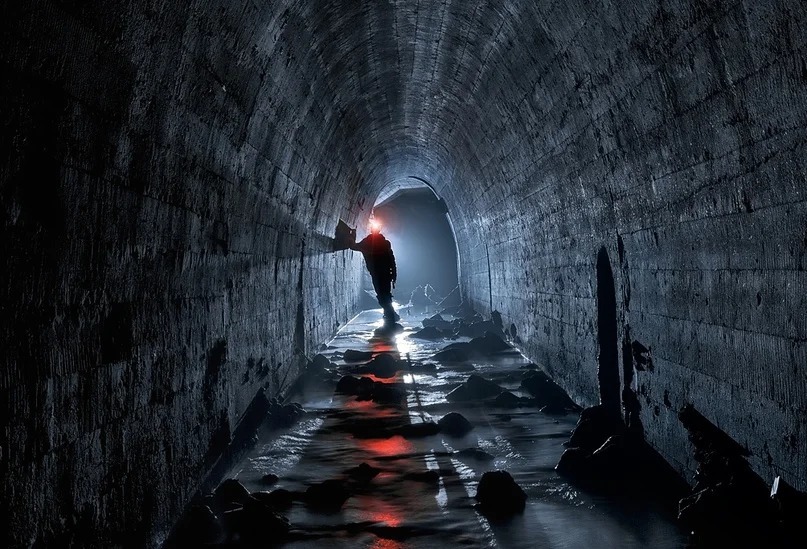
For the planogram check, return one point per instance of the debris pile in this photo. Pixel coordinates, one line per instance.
(467, 324)
(729, 503)
(231, 514)
(548, 395)
(364, 388)
(454, 424)
(474, 389)
(597, 451)
(318, 373)
(284, 415)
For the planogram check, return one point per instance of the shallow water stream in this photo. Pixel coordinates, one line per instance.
(400, 509)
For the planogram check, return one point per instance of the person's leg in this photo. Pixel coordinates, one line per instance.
(383, 291)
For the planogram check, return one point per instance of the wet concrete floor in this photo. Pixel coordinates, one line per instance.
(398, 508)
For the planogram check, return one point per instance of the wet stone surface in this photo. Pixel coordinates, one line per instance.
(363, 469)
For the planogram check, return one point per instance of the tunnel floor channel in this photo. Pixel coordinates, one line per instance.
(422, 494)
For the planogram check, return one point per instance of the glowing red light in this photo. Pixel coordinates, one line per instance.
(387, 446)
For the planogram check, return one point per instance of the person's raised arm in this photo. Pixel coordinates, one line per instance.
(359, 246)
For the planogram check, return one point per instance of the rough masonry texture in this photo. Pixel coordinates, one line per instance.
(172, 173)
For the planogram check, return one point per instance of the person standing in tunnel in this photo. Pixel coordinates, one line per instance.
(380, 261)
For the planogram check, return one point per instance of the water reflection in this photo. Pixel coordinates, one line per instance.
(392, 446)
(380, 343)
(402, 502)
(406, 347)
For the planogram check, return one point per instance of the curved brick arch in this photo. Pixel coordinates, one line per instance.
(176, 172)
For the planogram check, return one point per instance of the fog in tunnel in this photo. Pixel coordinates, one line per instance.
(173, 176)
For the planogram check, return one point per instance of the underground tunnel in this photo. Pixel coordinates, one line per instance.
(621, 190)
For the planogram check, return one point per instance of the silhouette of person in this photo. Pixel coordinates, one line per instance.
(380, 261)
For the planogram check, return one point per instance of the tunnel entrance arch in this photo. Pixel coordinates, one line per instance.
(417, 222)
(608, 356)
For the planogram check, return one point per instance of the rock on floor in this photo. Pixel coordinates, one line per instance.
(499, 496)
(473, 389)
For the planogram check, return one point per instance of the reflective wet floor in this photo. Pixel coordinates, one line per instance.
(402, 506)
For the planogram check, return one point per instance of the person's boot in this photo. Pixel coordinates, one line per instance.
(390, 316)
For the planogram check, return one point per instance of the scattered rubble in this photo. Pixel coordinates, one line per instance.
(319, 372)
(439, 323)
(269, 478)
(231, 491)
(364, 472)
(382, 366)
(326, 496)
(200, 526)
(548, 395)
(476, 454)
(599, 452)
(475, 388)
(364, 388)
(454, 424)
(499, 496)
(430, 332)
(486, 345)
(508, 400)
(352, 355)
(729, 503)
(284, 415)
(279, 500)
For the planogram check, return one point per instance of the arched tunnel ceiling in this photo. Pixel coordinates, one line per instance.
(420, 85)
(465, 94)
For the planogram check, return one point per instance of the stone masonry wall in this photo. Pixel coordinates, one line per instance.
(168, 195)
(672, 134)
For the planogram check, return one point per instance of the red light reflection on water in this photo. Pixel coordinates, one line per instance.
(379, 510)
(369, 408)
(384, 379)
(381, 543)
(384, 513)
(383, 345)
(387, 446)
(376, 509)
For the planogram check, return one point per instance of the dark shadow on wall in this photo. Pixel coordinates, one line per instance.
(608, 368)
(299, 322)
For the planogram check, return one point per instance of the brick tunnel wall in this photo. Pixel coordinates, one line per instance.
(169, 195)
(167, 164)
(672, 134)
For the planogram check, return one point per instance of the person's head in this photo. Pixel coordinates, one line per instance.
(375, 227)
